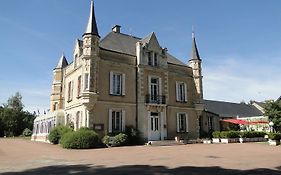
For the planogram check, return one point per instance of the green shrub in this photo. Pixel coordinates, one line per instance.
(216, 134)
(56, 133)
(119, 140)
(229, 134)
(81, 139)
(134, 136)
(27, 132)
(252, 134)
(274, 136)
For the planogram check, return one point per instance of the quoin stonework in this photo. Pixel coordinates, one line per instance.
(123, 80)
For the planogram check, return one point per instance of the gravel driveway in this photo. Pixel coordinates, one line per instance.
(19, 156)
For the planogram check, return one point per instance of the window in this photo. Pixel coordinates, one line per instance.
(75, 60)
(152, 58)
(149, 55)
(117, 83)
(86, 81)
(154, 89)
(55, 106)
(116, 121)
(210, 123)
(70, 91)
(79, 86)
(182, 122)
(155, 59)
(181, 92)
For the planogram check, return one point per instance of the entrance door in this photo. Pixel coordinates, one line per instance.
(154, 129)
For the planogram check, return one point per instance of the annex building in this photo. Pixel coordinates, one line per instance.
(121, 80)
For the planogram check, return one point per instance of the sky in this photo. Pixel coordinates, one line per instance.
(238, 41)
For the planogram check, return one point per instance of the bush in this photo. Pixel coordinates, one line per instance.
(119, 140)
(216, 134)
(252, 134)
(27, 132)
(274, 136)
(134, 136)
(229, 134)
(56, 133)
(81, 139)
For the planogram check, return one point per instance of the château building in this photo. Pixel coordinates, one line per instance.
(122, 80)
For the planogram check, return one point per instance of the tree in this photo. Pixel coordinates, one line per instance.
(273, 111)
(13, 120)
(15, 102)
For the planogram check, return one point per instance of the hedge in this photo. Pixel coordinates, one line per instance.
(237, 134)
(81, 139)
(252, 134)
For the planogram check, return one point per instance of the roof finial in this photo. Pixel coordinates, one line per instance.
(193, 33)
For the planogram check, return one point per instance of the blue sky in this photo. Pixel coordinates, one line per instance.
(238, 40)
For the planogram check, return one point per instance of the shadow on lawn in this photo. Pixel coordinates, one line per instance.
(139, 170)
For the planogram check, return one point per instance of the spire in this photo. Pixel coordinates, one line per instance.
(194, 51)
(62, 62)
(92, 25)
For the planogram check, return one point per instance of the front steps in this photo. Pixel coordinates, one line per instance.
(165, 143)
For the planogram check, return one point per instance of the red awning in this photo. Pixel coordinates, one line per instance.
(237, 121)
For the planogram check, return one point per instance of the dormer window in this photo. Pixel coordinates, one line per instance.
(152, 58)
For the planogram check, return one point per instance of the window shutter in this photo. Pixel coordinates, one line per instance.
(186, 122)
(177, 91)
(160, 86)
(185, 92)
(149, 85)
(123, 84)
(111, 82)
(123, 120)
(178, 122)
(110, 121)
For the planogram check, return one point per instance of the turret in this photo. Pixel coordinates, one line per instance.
(91, 36)
(195, 64)
(57, 85)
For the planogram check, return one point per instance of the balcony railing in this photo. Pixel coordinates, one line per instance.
(155, 99)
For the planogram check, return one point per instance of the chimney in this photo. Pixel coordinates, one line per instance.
(116, 28)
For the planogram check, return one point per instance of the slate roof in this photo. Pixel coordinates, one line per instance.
(231, 110)
(62, 62)
(126, 44)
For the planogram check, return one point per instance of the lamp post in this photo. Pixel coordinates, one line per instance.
(271, 126)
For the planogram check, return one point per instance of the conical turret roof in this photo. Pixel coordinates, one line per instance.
(62, 62)
(194, 51)
(92, 28)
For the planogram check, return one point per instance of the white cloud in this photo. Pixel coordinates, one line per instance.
(239, 79)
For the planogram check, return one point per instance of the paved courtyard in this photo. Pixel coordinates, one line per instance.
(18, 156)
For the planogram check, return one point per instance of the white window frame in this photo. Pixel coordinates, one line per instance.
(70, 90)
(180, 117)
(181, 97)
(79, 83)
(122, 82)
(86, 81)
(122, 120)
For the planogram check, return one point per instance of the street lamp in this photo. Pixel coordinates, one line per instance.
(271, 126)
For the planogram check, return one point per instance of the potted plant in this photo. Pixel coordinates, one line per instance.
(216, 137)
(229, 136)
(274, 139)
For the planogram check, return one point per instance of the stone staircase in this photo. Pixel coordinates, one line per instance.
(165, 143)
